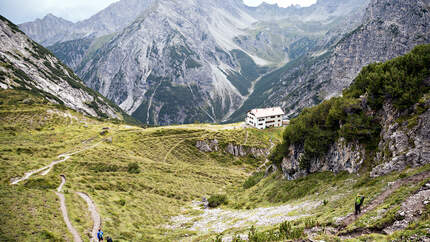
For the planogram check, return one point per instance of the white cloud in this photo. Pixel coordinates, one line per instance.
(281, 3)
(20, 11)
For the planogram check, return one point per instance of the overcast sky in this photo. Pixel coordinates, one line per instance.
(19, 11)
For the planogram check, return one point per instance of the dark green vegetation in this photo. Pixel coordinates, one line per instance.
(217, 200)
(400, 81)
(253, 180)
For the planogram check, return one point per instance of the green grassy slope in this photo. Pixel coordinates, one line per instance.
(334, 194)
(172, 172)
(137, 204)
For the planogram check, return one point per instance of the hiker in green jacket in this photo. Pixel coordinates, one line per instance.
(358, 202)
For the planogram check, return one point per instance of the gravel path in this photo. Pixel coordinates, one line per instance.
(219, 220)
(94, 214)
(63, 209)
(381, 198)
(46, 169)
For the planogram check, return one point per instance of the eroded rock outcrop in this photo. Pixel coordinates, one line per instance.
(233, 149)
(402, 144)
(405, 144)
(342, 156)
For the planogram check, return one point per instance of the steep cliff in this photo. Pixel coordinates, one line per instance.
(388, 29)
(27, 65)
(232, 149)
(381, 124)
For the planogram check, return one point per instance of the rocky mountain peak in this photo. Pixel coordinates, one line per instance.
(27, 65)
(51, 29)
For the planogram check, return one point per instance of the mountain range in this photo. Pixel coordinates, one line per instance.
(167, 62)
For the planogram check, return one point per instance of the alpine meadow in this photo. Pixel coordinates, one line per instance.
(212, 120)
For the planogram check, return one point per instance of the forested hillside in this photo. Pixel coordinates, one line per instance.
(357, 116)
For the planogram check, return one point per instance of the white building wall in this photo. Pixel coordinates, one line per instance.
(263, 122)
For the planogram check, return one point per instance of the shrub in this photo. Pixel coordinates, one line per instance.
(400, 81)
(310, 223)
(121, 202)
(325, 202)
(216, 200)
(285, 232)
(133, 168)
(253, 180)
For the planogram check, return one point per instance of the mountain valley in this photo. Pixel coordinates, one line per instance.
(132, 121)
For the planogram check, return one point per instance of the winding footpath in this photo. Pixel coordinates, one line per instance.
(97, 221)
(63, 208)
(46, 169)
(91, 207)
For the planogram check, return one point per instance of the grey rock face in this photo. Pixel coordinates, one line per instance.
(400, 146)
(176, 63)
(233, 149)
(342, 156)
(141, 53)
(48, 30)
(51, 29)
(28, 65)
(323, 10)
(207, 146)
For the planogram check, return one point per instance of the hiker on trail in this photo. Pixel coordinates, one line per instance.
(100, 235)
(109, 239)
(358, 202)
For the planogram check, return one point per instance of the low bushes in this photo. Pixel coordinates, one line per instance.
(133, 168)
(216, 200)
(253, 180)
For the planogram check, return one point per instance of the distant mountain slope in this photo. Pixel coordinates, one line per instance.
(198, 60)
(389, 29)
(322, 10)
(51, 29)
(26, 65)
(177, 63)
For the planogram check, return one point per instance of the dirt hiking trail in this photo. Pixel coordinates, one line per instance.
(46, 169)
(97, 221)
(381, 197)
(63, 208)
